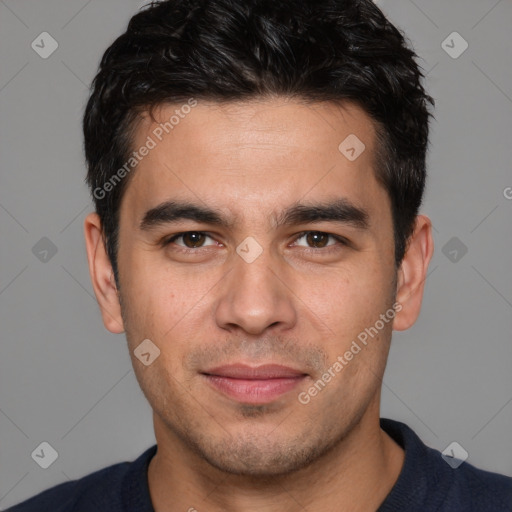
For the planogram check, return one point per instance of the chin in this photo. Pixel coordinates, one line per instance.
(261, 455)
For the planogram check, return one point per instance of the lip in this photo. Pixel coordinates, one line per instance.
(264, 371)
(254, 385)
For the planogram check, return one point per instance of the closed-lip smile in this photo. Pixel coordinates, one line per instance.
(253, 384)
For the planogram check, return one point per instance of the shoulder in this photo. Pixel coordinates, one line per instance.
(430, 481)
(65, 497)
(485, 490)
(102, 490)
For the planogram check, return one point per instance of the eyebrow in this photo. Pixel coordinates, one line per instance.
(340, 210)
(172, 211)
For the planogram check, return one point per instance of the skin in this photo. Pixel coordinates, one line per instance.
(297, 304)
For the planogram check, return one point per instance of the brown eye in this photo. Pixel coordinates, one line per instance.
(317, 239)
(320, 240)
(190, 240)
(193, 239)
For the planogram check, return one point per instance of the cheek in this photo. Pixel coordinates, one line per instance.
(164, 304)
(348, 301)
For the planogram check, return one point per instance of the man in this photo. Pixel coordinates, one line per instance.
(257, 170)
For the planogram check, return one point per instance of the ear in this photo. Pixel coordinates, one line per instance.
(412, 274)
(102, 275)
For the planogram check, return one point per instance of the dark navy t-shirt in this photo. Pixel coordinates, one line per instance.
(427, 483)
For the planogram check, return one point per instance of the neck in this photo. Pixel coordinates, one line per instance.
(356, 474)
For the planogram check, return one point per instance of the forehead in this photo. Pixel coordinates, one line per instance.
(254, 155)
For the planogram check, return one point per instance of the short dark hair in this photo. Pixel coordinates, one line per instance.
(232, 50)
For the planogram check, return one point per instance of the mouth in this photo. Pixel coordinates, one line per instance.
(254, 385)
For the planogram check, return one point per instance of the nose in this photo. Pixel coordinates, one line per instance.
(255, 297)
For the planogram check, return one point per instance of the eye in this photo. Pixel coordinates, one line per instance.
(318, 239)
(190, 239)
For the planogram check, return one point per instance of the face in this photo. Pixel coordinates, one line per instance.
(248, 238)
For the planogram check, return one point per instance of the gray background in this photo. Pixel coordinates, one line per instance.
(67, 381)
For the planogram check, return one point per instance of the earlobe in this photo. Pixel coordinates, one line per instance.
(412, 274)
(102, 277)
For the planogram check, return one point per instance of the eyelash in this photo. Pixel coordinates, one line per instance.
(342, 241)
